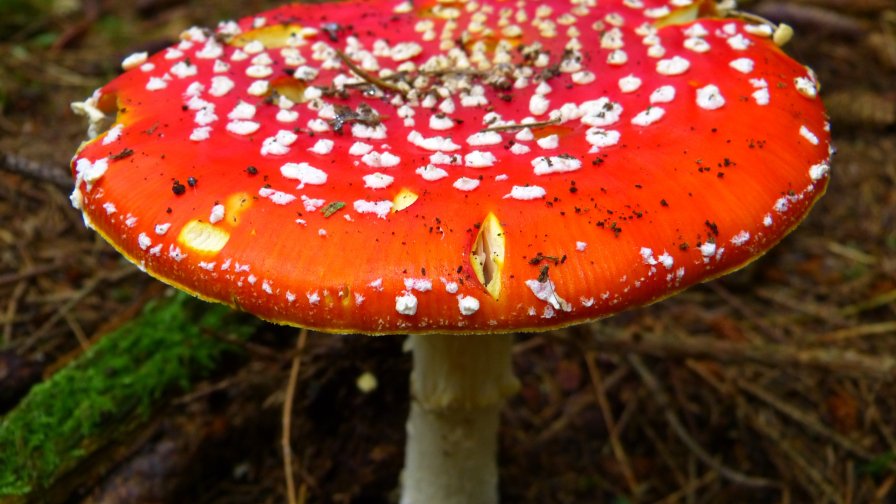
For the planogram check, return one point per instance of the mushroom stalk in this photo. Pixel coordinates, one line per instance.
(458, 387)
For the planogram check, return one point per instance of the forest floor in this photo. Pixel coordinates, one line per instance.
(773, 384)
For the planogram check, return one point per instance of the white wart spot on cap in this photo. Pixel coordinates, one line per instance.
(277, 197)
(359, 149)
(433, 143)
(484, 138)
(379, 208)
(380, 160)
(808, 135)
(377, 180)
(323, 146)
(739, 42)
(710, 98)
(546, 291)
(217, 214)
(519, 149)
(548, 142)
(629, 84)
(740, 238)
(239, 127)
(134, 60)
(819, 171)
(431, 172)
(599, 137)
(675, 65)
(156, 84)
(221, 85)
(555, 164)
(466, 184)
(467, 305)
(663, 94)
(406, 304)
(479, 159)
(742, 65)
(526, 193)
(649, 116)
(806, 87)
(538, 104)
(304, 173)
(600, 112)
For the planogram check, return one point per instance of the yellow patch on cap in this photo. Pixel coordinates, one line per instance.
(274, 36)
(487, 256)
(203, 237)
(403, 199)
(235, 205)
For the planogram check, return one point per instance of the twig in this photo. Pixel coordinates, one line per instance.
(853, 254)
(693, 485)
(17, 276)
(376, 81)
(803, 419)
(834, 360)
(887, 298)
(255, 349)
(11, 308)
(859, 331)
(77, 330)
(92, 11)
(736, 303)
(618, 450)
(817, 481)
(671, 464)
(76, 298)
(34, 170)
(287, 417)
(880, 495)
(801, 305)
(662, 399)
(507, 127)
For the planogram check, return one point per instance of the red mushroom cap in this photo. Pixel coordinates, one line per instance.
(485, 166)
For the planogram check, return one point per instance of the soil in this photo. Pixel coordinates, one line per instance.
(773, 384)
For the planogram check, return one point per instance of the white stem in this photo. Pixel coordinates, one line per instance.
(458, 386)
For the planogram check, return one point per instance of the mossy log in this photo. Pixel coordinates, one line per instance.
(60, 435)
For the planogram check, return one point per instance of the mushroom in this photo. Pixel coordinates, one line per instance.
(455, 172)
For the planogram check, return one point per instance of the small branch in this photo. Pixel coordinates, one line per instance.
(287, 417)
(21, 165)
(860, 331)
(816, 481)
(737, 303)
(509, 127)
(834, 360)
(615, 444)
(89, 286)
(663, 400)
(376, 81)
(808, 422)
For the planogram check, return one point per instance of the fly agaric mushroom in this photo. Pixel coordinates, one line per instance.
(455, 172)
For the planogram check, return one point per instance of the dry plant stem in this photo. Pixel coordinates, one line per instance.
(835, 360)
(376, 81)
(287, 417)
(458, 386)
(806, 419)
(615, 444)
(663, 400)
(56, 175)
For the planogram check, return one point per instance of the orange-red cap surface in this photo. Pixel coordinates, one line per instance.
(367, 166)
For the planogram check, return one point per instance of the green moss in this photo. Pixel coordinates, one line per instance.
(127, 373)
